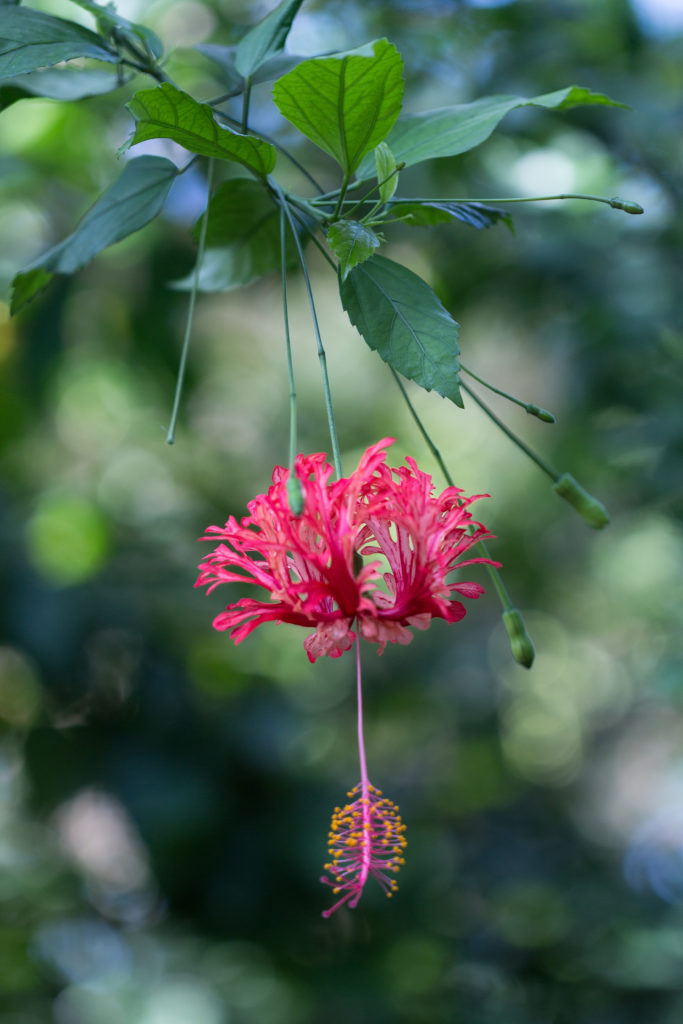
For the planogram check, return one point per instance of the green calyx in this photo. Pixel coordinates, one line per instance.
(521, 644)
(588, 507)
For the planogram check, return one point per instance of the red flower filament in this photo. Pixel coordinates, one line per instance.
(365, 840)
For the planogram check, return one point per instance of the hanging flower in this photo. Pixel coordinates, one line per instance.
(314, 567)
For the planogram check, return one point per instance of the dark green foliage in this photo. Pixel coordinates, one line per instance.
(30, 39)
(243, 238)
(400, 317)
(133, 201)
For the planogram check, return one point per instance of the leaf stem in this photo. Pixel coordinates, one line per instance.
(334, 441)
(170, 436)
(541, 463)
(340, 200)
(246, 96)
(530, 407)
(367, 195)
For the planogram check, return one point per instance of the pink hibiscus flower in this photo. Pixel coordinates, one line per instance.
(372, 549)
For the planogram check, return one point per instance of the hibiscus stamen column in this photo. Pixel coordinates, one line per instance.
(366, 836)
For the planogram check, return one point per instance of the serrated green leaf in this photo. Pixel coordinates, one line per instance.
(130, 203)
(265, 39)
(385, 165)
(58, 84)
(168, 113)
(346, 104)
(478, 215)
(242, 237)
(448, 131)
(30, 40)
(352, 243)
(399, 316)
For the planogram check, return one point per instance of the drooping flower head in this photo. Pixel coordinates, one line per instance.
(374, 547)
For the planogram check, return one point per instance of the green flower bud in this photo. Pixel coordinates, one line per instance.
(521, 644)
(541, 414)
(627, 205)
(588, 507)
(295, 495)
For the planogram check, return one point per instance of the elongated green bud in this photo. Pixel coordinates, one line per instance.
(540, 414)
(295, 495)
(588, 507)
(521, 644)
(627, 205)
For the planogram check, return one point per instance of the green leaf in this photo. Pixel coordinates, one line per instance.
(265, 39)
(30, 40)
(385, 165)
(168, 113)
(224, 57)
(478, 215)
(347, 103)
(110, 22)
(352, 243)
(58, 84)
(448, 131)
(242, 237)
(400, 317)
(130, 203)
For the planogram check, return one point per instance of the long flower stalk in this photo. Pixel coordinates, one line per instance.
(366, 837)
(170, 436)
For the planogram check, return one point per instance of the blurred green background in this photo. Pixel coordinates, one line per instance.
(165, 796)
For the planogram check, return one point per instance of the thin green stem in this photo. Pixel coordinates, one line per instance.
(288, 344)
(541, 463)
(495, 576)
(374, 188)
(170, 436)
(313, 237)
(233, 122)
(627, 205)
(246, 96)
(146, 69)
(336, 455)
(340, 200)
(530, 407)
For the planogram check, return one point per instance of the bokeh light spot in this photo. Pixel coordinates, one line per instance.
(68, 539)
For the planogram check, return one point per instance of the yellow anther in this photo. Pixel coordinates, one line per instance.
(350, 841)
(389, 895)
